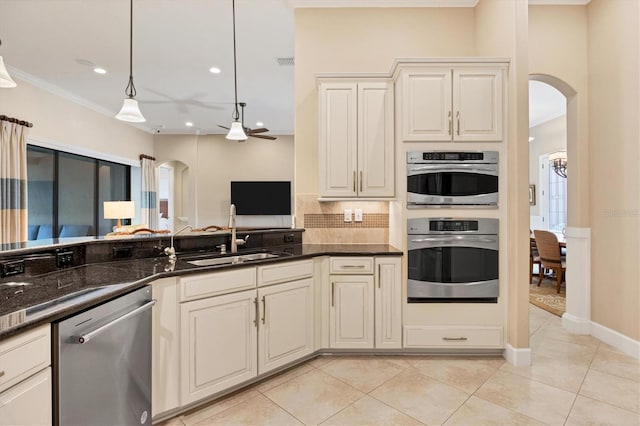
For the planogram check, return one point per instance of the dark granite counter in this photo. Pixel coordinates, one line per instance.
(26, 302)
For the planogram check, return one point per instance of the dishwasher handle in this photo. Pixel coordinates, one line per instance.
(84, 338)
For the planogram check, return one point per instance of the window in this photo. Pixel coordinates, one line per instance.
(66, 193)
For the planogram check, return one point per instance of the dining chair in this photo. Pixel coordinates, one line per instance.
(550, 258)
(534, 259)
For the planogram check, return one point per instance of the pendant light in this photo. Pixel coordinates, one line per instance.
(6, 82)
(130, 111)
(236, 132)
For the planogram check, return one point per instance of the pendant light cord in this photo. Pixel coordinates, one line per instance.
(130, 90)
(235, 68)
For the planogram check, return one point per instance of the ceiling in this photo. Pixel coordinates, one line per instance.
(55, 44)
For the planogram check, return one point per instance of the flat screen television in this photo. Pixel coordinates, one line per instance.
(261, 198)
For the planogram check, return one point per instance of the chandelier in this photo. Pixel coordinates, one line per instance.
(559, 163)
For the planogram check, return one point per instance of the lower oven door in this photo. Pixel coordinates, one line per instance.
(459, 184)
(452, 267)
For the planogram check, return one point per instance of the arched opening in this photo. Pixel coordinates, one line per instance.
(561, 126)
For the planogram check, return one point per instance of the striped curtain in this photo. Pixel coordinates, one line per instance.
(13, 183)
(149, 208)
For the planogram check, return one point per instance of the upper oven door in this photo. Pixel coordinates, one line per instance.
(452, 184)
(453, 259)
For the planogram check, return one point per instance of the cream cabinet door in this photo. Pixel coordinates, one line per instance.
(426, 104)
(28, 402)
(375, 140)
(477, 104)
(285, 330)
(338, 139)
(388, 302)
(351, 314)
(219, 341)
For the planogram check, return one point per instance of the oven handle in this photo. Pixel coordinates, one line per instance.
(459, 238)
(90, 335)
(454, 167)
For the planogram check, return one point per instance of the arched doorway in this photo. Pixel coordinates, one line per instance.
(578, 276)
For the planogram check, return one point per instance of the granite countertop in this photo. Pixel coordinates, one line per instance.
(22, 301)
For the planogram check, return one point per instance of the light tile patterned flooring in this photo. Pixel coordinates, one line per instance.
(573, 380)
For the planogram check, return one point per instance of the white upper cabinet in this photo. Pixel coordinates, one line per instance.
(356, 139)
(451, 104)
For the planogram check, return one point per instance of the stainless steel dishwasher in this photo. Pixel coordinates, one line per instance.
(103, 363)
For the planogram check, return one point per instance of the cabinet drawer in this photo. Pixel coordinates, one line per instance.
(23, 355)
(205, 285)
(351, 265)
(283, 272)
(452, 337)
(29, 402)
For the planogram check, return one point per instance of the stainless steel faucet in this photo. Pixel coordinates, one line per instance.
(171, 251)
(232, 226)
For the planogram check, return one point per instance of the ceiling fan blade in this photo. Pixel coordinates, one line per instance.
(260, 130)
(226, 128)
(271, 138)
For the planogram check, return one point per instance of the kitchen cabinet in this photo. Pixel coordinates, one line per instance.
(366, 299)
(388, 302)
(485, 337)
(452, 103)
(219, 344)
(25, 378)
(356, 139)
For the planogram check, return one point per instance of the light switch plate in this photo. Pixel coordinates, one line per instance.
(358, 215)
(347, 215)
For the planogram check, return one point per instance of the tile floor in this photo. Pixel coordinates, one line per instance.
(573, 380)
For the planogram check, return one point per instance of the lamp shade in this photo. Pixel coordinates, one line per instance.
(236, 132)
(130, 112)
(119, 210)
(6, 82)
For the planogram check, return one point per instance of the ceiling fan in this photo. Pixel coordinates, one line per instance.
(254, 133)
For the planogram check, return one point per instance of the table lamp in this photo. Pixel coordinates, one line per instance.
(119, 210)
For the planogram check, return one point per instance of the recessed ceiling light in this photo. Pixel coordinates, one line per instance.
(188, 124)
(99, 70)
(531, 138)
(214, 70)
(259, 123)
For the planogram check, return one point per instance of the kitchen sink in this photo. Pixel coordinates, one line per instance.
(231, 260)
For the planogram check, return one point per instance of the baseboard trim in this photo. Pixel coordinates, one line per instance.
(520, 357)
(575, 325)
(618, 340)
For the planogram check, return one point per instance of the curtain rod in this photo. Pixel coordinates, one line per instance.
(15, 120)
(148, 157)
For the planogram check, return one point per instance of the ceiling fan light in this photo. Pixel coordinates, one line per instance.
(236, 132)
(6, 82)
(130, 112)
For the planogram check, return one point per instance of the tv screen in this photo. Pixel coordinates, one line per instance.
(261, 198)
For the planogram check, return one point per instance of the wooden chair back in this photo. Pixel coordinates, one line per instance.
(548, 248)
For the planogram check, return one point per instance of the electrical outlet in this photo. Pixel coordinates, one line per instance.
(347, 215)
(358, 215)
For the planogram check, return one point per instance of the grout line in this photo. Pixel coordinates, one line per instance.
(581, 384)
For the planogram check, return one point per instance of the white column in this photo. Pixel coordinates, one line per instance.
(577, 316)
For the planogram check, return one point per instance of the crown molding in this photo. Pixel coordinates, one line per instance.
(380, 3)
(65, 94)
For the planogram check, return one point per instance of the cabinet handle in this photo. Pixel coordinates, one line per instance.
(333, 290)
(454, 339)
(255, 320)
(379, 274)
(264, 309)
(354, 181)
(352, 266)
(450, 122)
(458, 120)
(361, 179)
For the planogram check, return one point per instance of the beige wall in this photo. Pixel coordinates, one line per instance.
(214, 161)
(550, 136)
(64, 122)
(614, 108)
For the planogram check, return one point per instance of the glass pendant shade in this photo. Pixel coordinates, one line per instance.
(236, 132)
(6, 82)
(130, 112)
